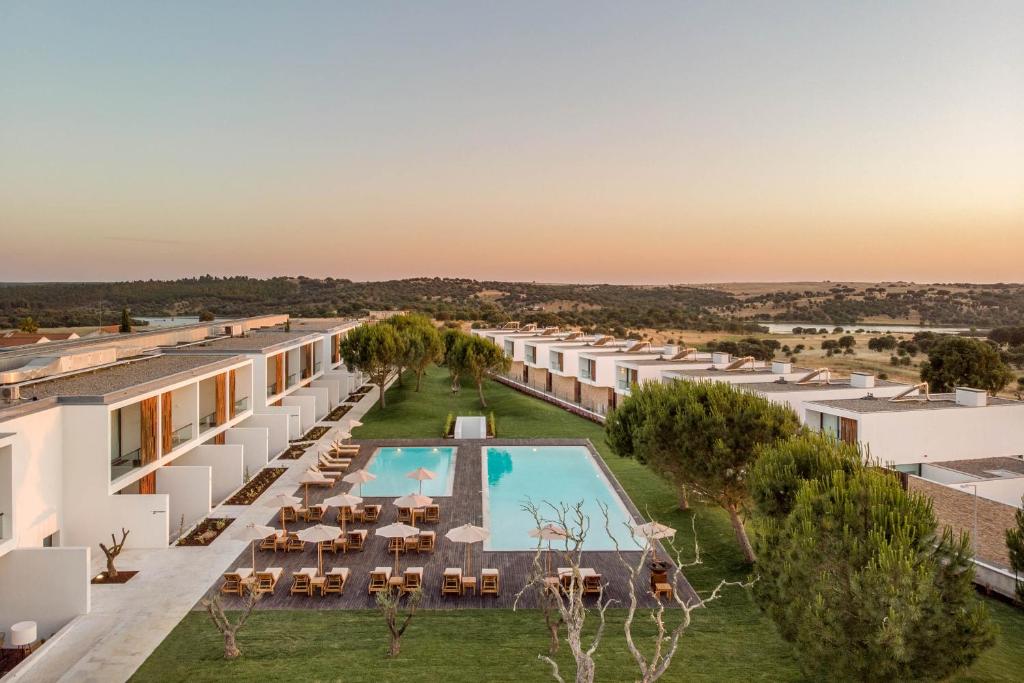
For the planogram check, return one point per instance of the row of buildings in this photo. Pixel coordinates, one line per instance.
(964, 448)
(146, 432)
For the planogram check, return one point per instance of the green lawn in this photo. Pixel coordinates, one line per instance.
(730, 640)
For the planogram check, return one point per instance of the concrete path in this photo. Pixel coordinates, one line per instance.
(128, 622)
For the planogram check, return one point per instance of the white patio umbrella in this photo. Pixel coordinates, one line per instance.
(282, 501)
(358, 477)
(413, 500)
(315, 534)
(549, 532)
(309, 477)
(468, 534)
(255, 532)
(421, 474)
(397, 530)
(343, 500)
(651, 532)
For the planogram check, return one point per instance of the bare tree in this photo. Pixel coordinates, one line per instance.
(228, 630)
(390, 603)
(665, 642)
(113, 551)
(566, 599)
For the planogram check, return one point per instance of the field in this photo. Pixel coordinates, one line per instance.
(730, 640)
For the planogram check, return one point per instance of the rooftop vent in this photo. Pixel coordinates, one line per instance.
(972, 398)
(233, 330)
(720, 357)
(670, 350)
(781, 367)
(862, 380)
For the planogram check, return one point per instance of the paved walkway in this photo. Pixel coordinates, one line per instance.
(127, 622)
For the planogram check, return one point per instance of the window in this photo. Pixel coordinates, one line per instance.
(531, 354)
(625, 377)
(509, 348)
(556, 361)
(588, 369)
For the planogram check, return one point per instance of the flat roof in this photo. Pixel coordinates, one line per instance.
(668, 361)
(712, 372)
(884, 405)
(130, 376)
(621, 351)
(984, 467)
(260, 341)
(322, 324)
(809, 386)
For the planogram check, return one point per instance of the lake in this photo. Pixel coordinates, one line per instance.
(898, 328)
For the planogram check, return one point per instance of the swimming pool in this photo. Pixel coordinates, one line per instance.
(547, 474)
(391, 464)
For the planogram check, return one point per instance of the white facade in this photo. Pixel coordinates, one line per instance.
(597, 367)
(923, 433)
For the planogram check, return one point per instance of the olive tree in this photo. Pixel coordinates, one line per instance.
(962, 361)
(703, 435)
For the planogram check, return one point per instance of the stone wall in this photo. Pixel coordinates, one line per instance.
(596, 398)
(564, 387)
(538, 379)
(515, 372)
(955, 508)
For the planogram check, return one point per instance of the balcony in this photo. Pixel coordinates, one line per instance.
(241, 405)
(121, 464)
(271, 390)
(316, 367)
(207, 422)
(181, 435)
(292, 379)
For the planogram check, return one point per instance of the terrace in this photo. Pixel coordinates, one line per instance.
(463, 506)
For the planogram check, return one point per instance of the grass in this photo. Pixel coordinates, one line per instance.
(729, 640)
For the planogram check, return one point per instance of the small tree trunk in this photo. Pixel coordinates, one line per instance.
(382, 380)
(111, 569)
(741, 534)
(396, 646)
(419, 375)
(684, 498)
(480, 391)
(553, 631)
(231, 650)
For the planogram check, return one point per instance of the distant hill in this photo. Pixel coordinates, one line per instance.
(603, 307)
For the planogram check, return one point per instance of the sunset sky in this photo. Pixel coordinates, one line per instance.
(611, 142)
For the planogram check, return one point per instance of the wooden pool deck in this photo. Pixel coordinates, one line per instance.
(465, 505)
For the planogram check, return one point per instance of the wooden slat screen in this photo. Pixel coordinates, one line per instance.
(232, 385)
(148, 430)
(166, 422)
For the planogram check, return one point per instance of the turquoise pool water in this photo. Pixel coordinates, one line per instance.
(547, 474)
(392, 464)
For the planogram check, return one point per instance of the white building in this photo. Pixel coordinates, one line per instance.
(634, 372)
(796, 394)
(115, 432)
(596, 372)
(910, 431)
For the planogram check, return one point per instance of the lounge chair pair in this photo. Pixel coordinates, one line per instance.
(354, 540)
(305, 581)
(274, 541)
(587, 580)
(382, 580)
(368, 514)
(315, 513)
(330, 478)
(454, 583)
(333, 465)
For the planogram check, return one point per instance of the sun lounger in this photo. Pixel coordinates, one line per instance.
(379, 578)
(405, 515)
(427, 541)
(357, 539)
(315, 513)
(266, 580)
(396, 544)
(273, 541)
(489, 582)
(302, 581)
(662, 590)
(591, 581)
(290, 513)
(567, 578)
(336, 580)
(432, 514)
(235, 582)
(451, 582)
(330, 478)
(333, 465)
(346, 514)
(413, 579)
(371, 513)
(294, 544)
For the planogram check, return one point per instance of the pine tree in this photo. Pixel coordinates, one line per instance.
(855, 572)
(1015, 544)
